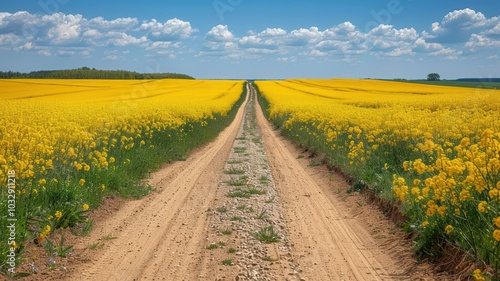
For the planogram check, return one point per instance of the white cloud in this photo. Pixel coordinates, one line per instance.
(340, 40)
(344, 28)
(494, 32)
(489, 38)
(478, 41)
(92, 34)
(18, 23)
(400, 52)
(74, 35)
(385, 40)
(10, 40)
(458, 26)
(317, 53)
(435, 49)
(254, 41)
(219, 33)
(172, 30)
(65, 29)
(302, 36)
(45, 53)
(73, 52)
(123, 24)
(272, 32)
(160, 45)
(55, 33)
(123, 39)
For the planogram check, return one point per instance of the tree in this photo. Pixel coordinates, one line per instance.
(433, 77)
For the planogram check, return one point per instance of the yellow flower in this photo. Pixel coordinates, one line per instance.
(415, 191)
(496, 234)
(483, 207)
(86, 168)
(44, 233)
(493, 193)
(496, 221)
(103, 187)
(464, 195)
(49, 165)
(81, 182)
(78, 167)
(50, 217)
(478, 275)
(58, 215)
(42, 182)
(425, 224)
(85, 207)
(441, 210)
(448, 229)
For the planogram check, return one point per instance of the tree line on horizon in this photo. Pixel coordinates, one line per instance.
(91, 73)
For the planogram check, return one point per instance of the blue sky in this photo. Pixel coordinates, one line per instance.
(243, 39)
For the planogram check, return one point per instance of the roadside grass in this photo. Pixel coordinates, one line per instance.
(245, 192)
(238, 192)
(222, 209)
(213, 246)
(263, 179)
(266, 235)
(96, 245)
(240, 181)
(262, 215)
(234, 171)
(236, 218)
(239, 149)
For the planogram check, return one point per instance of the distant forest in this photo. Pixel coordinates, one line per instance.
(479, 80)
(90, 73)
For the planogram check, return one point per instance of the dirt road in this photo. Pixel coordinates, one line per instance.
(211, 216)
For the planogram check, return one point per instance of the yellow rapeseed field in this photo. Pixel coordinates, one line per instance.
(68, 142)
(46, 120)
(436, 149)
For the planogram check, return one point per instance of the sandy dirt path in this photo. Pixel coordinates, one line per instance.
(327, 242)
(162, 236)
(165, 235)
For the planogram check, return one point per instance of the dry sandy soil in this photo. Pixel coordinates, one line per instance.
(247, 206)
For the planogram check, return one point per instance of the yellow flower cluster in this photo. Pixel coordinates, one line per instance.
(44, 233)
(478, 275)
(69, 141)
(76, 122)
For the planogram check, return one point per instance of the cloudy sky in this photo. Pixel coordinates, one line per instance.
(255, 38)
